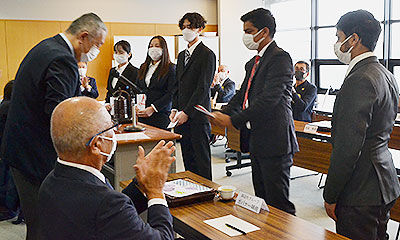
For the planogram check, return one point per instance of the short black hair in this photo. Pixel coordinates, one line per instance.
(125, 45)
(8, 90)
(364, 24)
(195, 19)
(261, 18)
(306, 63)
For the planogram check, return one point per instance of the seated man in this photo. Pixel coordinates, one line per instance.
(304, 93)
(222, 85)
(76, 201)
(88, 84)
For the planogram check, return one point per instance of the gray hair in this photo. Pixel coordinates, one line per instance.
(88, 22)
(71, 131)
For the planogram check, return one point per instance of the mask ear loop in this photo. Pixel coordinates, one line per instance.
(347, 39)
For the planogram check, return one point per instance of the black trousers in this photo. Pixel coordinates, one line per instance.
(363, 222)
(28, 190)
(271, 177)
(159, 120)
(196, 148)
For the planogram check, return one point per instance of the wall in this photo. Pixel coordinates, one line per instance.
(17, 37)
(230, 29)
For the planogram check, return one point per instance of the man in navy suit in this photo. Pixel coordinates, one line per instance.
(47, 75)
(75, 199)
(222, 85)
(88, 84)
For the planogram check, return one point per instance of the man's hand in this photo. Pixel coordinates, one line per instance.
(152, 169)
(147, 112)
(221, 119)
(172, 115)
(85, 82)
(330, 210)
(181, 118)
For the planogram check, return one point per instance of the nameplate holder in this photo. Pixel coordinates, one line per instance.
(251, 202)
(310, 128)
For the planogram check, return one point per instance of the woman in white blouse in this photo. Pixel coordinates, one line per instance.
(158, 80)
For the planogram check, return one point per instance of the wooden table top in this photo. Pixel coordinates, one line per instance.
(154, 134)
(275, 224)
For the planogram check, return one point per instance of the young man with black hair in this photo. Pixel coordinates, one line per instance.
(362, 184)
(304, 93)
(194, 71)
(262, 112)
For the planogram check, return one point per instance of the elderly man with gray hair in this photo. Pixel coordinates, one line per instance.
(47, 75)
(75, 200)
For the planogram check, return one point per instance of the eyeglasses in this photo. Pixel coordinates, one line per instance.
(97, 134)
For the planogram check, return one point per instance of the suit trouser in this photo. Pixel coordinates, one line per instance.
(28, 191)
(196, 148)
(271, 176)
(363, 222)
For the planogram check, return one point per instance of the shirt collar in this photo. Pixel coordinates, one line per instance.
(68, 43)
(121, 69)
(357, 59)
(92, 170)
(193, 47)
(154, 65)
(261, 53)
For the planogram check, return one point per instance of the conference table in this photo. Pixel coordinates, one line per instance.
(127, 149)
(276, 224)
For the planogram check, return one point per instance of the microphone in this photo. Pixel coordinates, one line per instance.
(116, 74)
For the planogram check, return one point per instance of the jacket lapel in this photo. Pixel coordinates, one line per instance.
(193, 56)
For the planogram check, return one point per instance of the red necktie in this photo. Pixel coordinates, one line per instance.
(253, 71)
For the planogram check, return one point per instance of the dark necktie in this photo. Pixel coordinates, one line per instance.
(109, 184)
(187, 56)
(253, 71)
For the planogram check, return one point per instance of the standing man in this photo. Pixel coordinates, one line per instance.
(195, 70)
(304, 93)
(47, 75)
(223, 85)
(262, 112)
(362, 184)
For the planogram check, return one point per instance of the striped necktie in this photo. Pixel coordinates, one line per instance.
(187, 56)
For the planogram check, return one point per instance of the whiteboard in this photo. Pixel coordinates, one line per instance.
(139, 46)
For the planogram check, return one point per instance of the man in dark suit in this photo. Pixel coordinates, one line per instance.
(75, 199)
(194, 71)
(88, 84)
(304, 93)
(262, 110)
(47, 75)
(362, 183)
(222, 85)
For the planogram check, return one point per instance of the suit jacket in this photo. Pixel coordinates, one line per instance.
(47, 75)
(194, 81)
(303, 101)
(269, 112)
(160, 91)
(225, 92)
(94, 93)
(130, 73)
(361, 170)
(75, 204)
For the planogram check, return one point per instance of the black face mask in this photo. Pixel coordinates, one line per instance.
(299, 75)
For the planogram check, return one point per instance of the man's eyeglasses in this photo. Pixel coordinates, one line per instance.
(97, 134)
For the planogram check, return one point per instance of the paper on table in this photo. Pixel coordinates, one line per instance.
(183, 188)
(323, 124)
(132, 136)
(219, 224)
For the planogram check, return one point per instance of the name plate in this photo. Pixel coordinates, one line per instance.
(310, 128)
(251, 202)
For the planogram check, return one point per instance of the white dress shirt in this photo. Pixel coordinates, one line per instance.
(150, 72)
(68, 43)
(193, 47)
(357, 59)
(100, 176)
(120, 70)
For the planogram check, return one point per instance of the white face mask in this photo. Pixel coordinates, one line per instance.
(121, 58)
(91, 55)
(113, 148)
(222, 76)
(189, 35)
(155, 53)
(248, 40)
(82, 72)
(344, 57)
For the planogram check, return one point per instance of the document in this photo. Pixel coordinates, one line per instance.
(203, 110)
(183, 188)
(221, 225)
(131, 136)
(173, 124)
